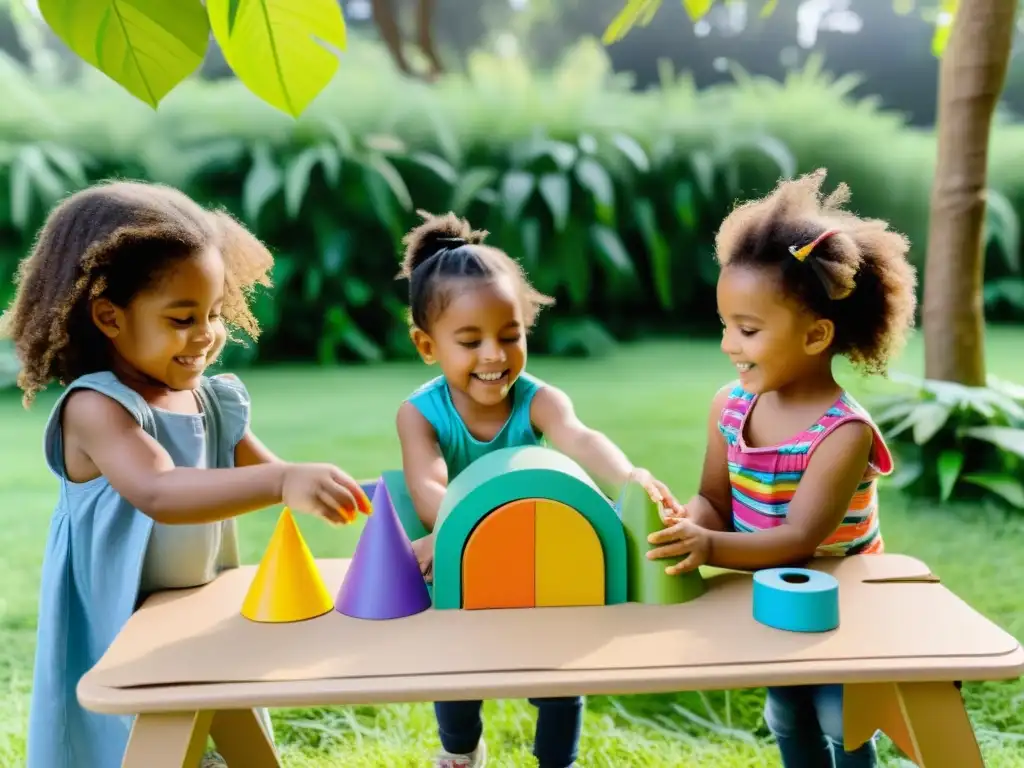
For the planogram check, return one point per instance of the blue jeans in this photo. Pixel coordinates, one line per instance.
(555, 744)
(807, 721)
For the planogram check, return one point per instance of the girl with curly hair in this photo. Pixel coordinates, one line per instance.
(129, 295)
(793, 461)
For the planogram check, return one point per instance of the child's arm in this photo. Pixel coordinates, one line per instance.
(553, 414)
(250, 451)
(426, 474)
(818, 507)
(142, 472)
(711, 507)
(821, 501)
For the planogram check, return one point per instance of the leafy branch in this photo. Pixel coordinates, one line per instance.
(640, 13)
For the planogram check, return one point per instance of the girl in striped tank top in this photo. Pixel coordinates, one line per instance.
(764, 479)
(792, 461)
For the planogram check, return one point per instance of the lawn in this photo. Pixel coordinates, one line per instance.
(652, 399)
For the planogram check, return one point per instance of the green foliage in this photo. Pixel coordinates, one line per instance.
(957, 442)
(603, 216)
(610, 197)
(275, 47)
(640, 13)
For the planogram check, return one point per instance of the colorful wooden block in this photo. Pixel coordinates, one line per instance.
(648, 582)
(498, 560)
(513, 474)
(570, 562)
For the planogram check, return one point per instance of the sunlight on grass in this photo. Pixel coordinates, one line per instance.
(652, 399)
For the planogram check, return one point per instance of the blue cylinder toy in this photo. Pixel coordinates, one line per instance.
(796, 599)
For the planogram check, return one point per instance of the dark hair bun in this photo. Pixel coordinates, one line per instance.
(435, 234)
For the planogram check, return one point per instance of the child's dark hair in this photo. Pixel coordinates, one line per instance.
(114, 240)
(444, 247)
(857, 276)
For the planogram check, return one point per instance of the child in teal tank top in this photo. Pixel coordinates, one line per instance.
(471, 307)
(126, 300)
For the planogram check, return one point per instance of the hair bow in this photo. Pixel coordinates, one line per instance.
(801, 253)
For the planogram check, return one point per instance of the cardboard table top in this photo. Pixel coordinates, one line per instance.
(891, 607)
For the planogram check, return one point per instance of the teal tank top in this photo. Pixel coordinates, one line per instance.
(458, 446)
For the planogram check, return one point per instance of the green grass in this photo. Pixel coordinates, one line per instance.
(652, 399)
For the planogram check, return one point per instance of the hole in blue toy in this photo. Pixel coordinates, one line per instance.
(795, 578)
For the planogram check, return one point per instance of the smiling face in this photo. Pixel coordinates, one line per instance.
(478, 339)
(171, 332)
(770, 338)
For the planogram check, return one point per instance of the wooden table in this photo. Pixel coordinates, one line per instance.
(188, 664)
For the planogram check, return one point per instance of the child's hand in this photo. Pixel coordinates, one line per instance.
(323, 490)
(668, 505)
(672, 515)
(424, 549)
(684, 537)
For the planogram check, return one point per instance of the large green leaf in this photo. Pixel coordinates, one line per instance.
(264, 180)
(472, 183)
(613, 253)
(1009, 439)
(276, 47)
(629, 147)
(516, 188)
(557, 192)
(300, 172)
(595, 179)
(1002, 225)
(572, 257)
(950, 463)
(34, 177)
(1005, 486)
(661, 257)
(929, 419)
(146, 46)
(391, 177)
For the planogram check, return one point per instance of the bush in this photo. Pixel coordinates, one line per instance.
(954, 441)
(609, 197)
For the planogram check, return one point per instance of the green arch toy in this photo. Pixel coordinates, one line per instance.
(517, 473)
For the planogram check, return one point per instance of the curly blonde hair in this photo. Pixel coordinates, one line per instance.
(859, 278)
(445, 247)
(114, 240)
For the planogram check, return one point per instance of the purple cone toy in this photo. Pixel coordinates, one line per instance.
(384, 579)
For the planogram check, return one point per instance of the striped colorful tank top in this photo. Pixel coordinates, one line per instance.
(764, 480)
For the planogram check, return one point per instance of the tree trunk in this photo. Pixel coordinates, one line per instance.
(971, 78)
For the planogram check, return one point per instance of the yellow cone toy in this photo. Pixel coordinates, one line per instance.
(287, 585)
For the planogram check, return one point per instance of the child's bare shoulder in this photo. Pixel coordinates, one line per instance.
(89, 409)
(848, 442)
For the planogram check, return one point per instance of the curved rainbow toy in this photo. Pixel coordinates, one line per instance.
(527, 527)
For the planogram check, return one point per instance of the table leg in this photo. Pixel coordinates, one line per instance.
(242, 741)
(927, 721)
(168, 740)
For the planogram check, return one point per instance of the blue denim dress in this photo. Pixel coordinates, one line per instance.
(103, 556)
